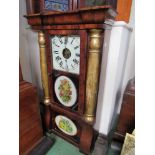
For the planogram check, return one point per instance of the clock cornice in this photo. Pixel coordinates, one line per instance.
(85, 18)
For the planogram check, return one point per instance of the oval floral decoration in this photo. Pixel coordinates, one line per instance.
(65, 91)
(66, 125)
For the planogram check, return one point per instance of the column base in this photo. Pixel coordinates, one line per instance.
(89, 119)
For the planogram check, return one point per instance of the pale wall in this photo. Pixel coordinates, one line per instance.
(120, 67)
(112, 76)
(29, 50)
(129, 72)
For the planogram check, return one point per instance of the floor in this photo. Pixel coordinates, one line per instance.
(62, 147)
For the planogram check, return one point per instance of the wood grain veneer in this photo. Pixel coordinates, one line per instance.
(29, 117)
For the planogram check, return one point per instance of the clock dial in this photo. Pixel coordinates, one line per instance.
(65, 91)
(66, 53)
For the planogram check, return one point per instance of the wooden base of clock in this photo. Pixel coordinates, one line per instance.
(85, 133)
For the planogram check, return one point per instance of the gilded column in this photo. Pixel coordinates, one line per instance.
(92, 79)
(43, 65)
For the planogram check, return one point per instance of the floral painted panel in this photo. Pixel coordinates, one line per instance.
(65, 91)
(66, 125)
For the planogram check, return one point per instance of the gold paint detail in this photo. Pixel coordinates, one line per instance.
(92, 75)
(43, 66)
(47, 101)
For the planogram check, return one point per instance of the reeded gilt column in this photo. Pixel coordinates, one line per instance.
(43, 65)
(92, 80)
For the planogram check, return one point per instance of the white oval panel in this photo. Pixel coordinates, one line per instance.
(65, 91)
(66, 125)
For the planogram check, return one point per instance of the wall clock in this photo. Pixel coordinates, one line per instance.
(70, 56)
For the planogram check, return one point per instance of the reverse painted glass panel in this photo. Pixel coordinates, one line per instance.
(88, 3)
(57, 5)
(95, 2)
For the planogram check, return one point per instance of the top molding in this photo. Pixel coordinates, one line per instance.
(89, 15)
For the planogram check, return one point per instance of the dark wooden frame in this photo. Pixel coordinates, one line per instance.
(83, 59)
(126, 121)
(30, 128)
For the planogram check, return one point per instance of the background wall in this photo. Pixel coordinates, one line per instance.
(118, 65)
(29, 50)
(130, 62)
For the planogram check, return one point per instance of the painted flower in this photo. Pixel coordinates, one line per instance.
(65, 125)
(65, 90)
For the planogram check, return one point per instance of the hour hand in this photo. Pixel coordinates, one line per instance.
(66, 65)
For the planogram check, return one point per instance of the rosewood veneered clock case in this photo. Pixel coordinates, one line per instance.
(70, 56)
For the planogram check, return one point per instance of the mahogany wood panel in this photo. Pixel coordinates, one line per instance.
(32, 6)
(47, 118)
(29, 117)
(91, 15)
(68, 113)
(124, 10)
(86, 138)
(72, 27)
(126, 121)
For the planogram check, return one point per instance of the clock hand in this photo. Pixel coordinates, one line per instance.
(66, 65)
(66, 41)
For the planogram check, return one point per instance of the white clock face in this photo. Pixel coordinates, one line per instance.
(66, 53)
